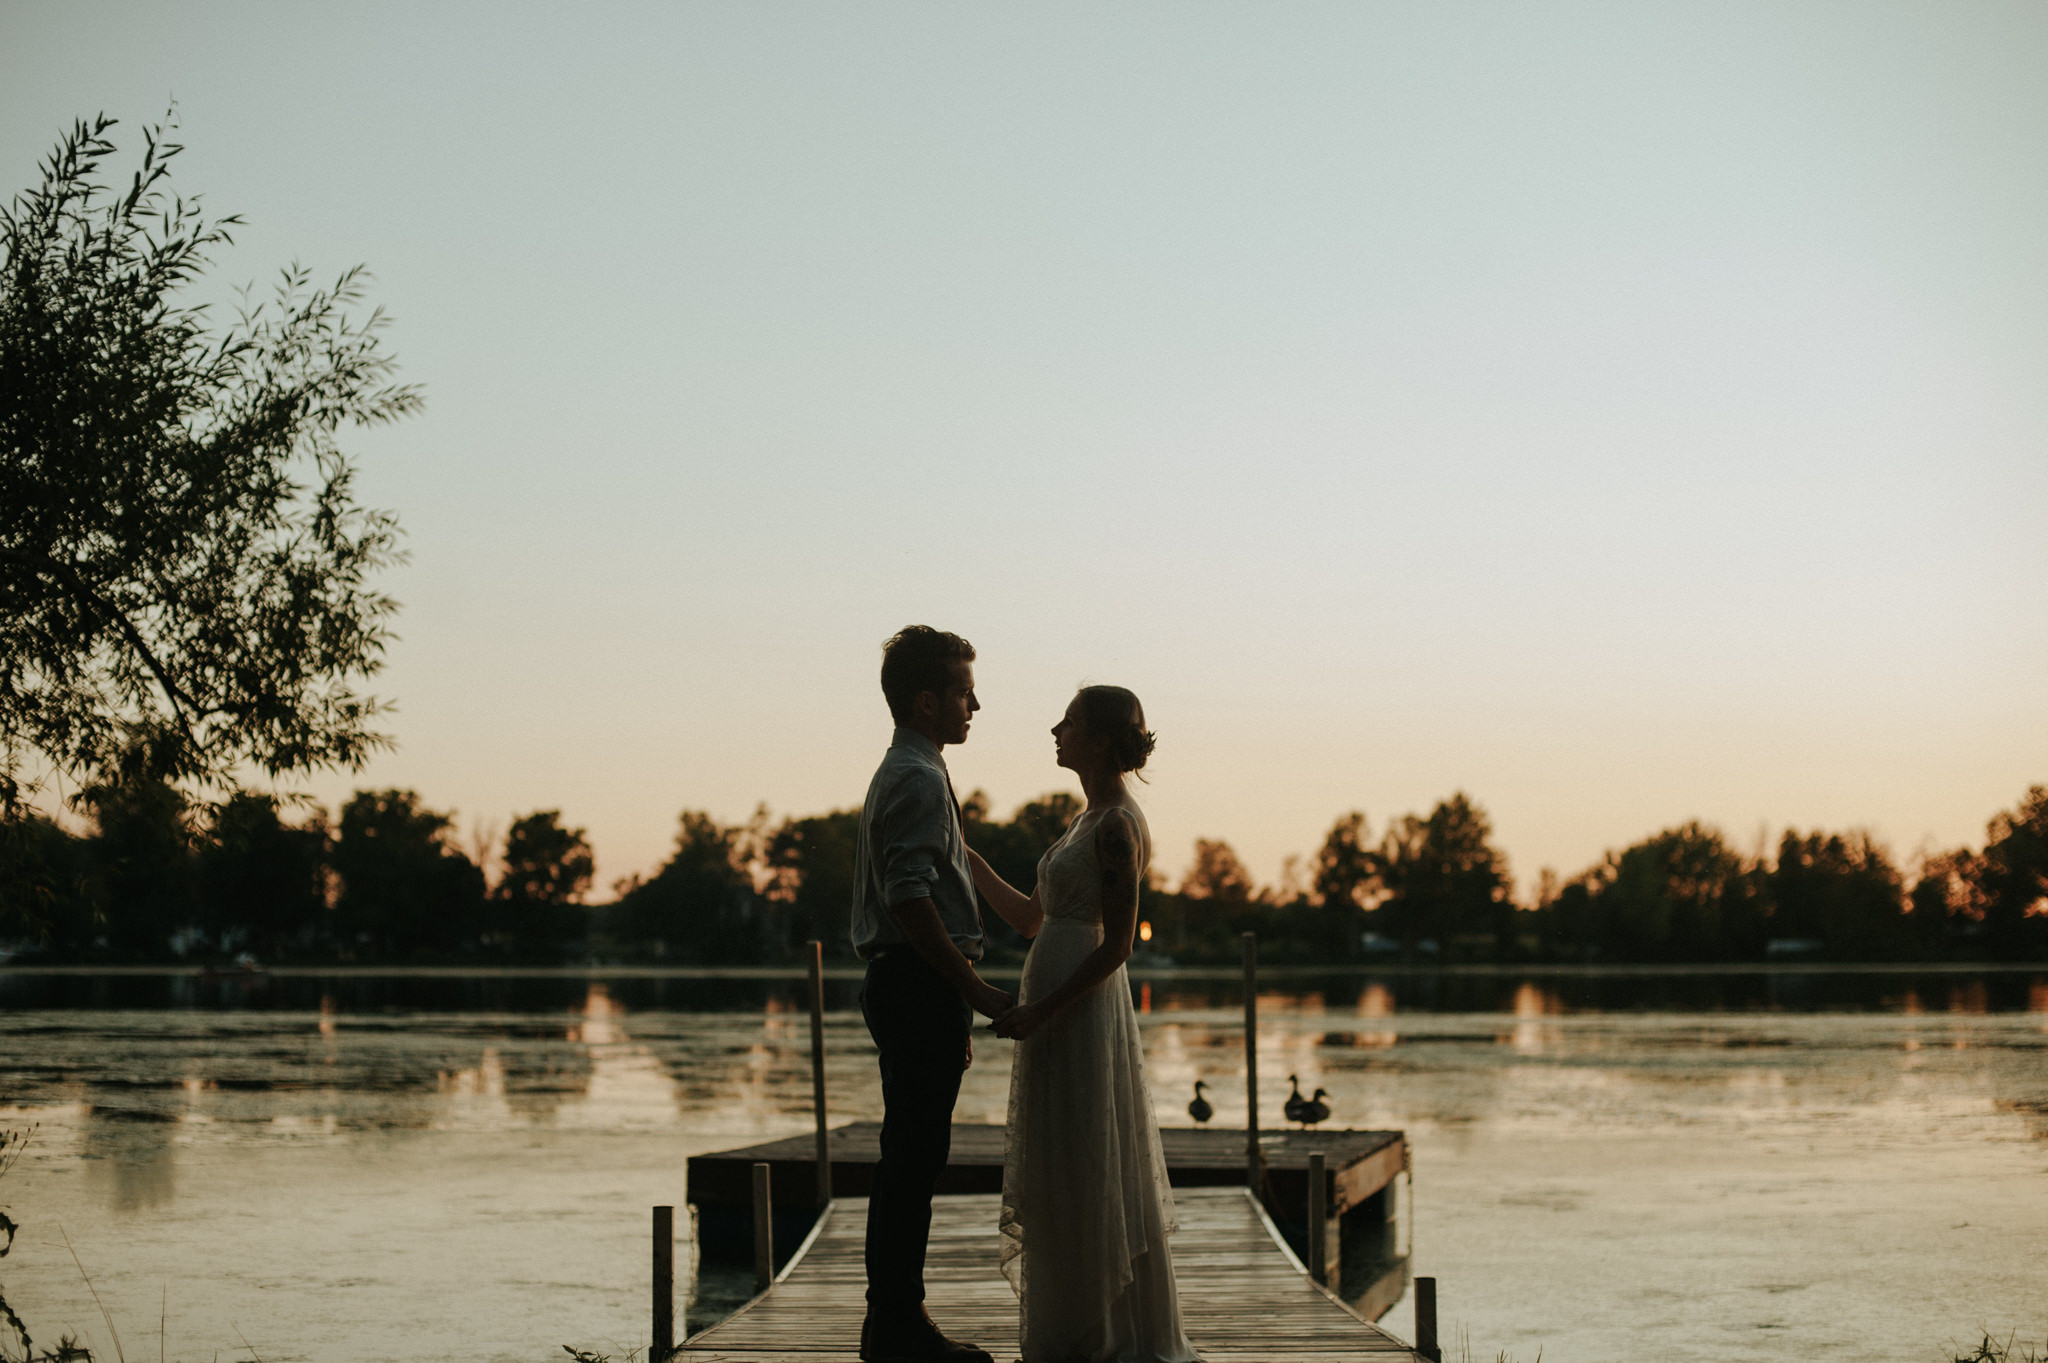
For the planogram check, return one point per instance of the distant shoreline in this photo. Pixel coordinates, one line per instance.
(845, 971)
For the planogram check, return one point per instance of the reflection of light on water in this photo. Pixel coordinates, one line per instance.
(778, 1025)
(1375, 1001)
(62, 1113)
(327, 1016)
(485, 1080)
(1173, 1055)
(2037, 1001)
(475, 1096)
(629, 1087)
(1969, 996)
(1531, 1006)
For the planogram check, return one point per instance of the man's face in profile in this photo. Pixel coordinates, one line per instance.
(955, 706)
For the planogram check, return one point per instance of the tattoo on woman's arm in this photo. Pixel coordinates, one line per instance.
(1117, 851)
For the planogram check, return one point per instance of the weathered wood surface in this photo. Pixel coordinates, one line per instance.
(1243, 1296)
(1360, 1163)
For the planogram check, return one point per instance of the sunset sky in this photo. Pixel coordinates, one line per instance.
(1623, 413)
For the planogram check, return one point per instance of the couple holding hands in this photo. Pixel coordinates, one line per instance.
(1086, 1209)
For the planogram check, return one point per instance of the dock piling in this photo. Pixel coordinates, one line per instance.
(1425, 1320)
(818, 1071)
(1318, 1221)
(764, 1231)
(664, 1285)
(1252, 1163)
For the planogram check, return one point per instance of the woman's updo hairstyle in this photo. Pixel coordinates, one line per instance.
(1113, 713)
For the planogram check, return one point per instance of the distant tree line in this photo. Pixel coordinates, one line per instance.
(155, 877)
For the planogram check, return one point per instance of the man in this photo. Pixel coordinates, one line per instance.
(917, 925)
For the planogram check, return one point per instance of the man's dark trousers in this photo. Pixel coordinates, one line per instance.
(920, 1025)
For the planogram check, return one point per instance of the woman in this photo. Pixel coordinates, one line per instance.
(1086, 1209)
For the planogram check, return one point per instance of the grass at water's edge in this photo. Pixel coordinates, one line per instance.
(2011, 1349)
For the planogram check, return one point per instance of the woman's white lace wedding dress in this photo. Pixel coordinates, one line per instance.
(1086, 1207)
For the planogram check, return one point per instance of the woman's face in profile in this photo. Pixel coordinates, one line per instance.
(1070, 743)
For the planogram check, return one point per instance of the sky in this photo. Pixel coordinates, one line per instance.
(1623, 414)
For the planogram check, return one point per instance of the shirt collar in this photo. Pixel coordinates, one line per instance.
(916, 742)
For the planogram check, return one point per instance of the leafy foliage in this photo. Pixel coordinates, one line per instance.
(699, 907)
(158, 874)
(405, 891)
(810, 876)
(536, 908)
(262, 881)
(1678, 895)
(183, 565)
(1218, 875)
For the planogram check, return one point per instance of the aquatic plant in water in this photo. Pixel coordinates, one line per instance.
(68, 1349)
(1993, 1350)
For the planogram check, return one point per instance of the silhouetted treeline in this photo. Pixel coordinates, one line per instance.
(387, 880)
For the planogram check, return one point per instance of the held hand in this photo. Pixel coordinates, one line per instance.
(1019, 1023)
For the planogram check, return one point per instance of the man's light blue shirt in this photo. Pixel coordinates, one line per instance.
(911, 846)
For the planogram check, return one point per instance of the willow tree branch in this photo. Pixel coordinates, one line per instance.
(66, 574)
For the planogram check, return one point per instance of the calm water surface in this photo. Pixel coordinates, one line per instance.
(1608, 1167)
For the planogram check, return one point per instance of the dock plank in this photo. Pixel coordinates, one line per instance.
(1243, 1296)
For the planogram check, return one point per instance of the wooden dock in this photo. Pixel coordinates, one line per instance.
(1358, 1165)
(1244, 1296)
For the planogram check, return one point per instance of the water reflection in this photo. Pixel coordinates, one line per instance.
(131, 1158)
(1531, 1006)
(626, 1086)
(1559, 1118)
(1375, 1003)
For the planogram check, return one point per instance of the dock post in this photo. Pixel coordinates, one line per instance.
(664, 1285)
(1252, 1162)
(764, 1231)
(818, 1071)
(1318, 1221)
(1425, 1320)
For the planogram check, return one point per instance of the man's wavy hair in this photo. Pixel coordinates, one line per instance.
(917, 659)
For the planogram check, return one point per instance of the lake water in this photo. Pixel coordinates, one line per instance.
(1687, 1166)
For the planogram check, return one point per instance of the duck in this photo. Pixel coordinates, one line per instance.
(1315, 1109)
(1200, 1109)
(1296, 1105)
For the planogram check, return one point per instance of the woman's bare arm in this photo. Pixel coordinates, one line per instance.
(1015, 908)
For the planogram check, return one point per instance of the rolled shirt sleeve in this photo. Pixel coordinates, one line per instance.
(912, 847)
(912, 826)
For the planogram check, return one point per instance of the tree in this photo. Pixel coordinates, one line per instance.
(2012, 880)
(142, 864)
(45, 880)
(1217, 875)
(1442, 878)
(701, 904)
(811, 864)
(1842, 891)
(536, 907)
(183, 564)
(1345, 872)
(1679, 895)
(404, 890)
(263, 882)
